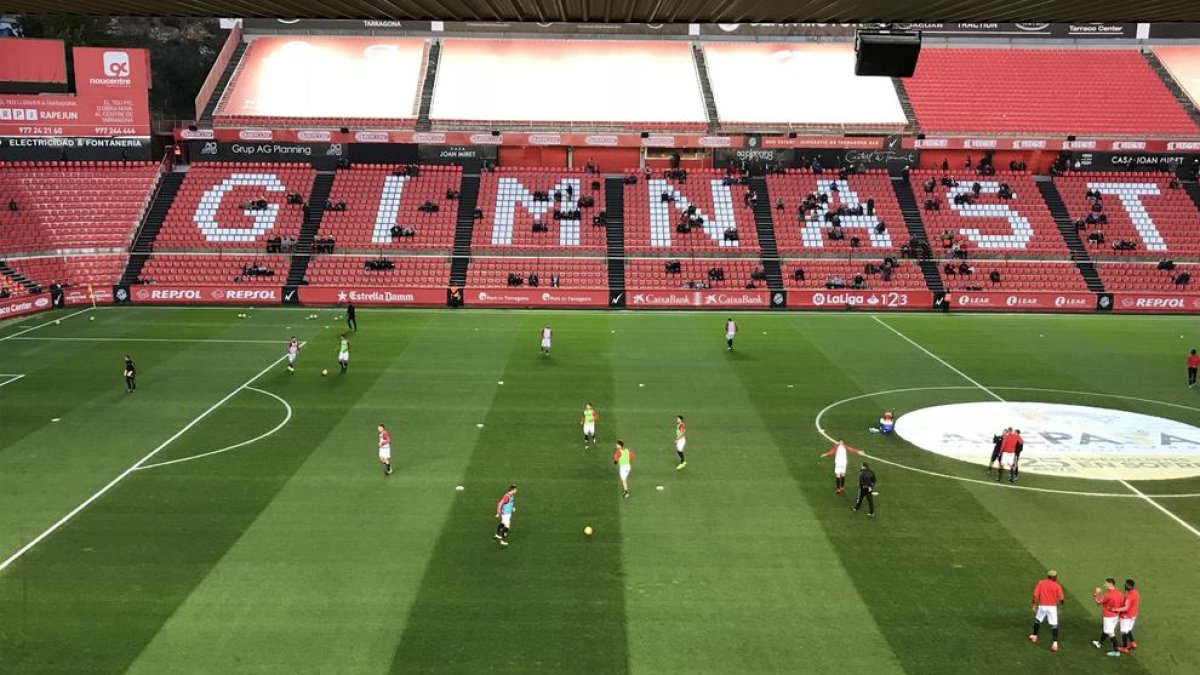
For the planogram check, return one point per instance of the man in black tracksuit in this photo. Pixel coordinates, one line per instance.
(866, 484)
(996, 441)
(351, 321)
(130, 375)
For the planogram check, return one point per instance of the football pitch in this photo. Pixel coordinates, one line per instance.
(231, 517)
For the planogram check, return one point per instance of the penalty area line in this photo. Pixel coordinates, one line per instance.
(132, 468)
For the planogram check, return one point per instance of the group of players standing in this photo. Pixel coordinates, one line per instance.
(1119, 612)
(1006, 449)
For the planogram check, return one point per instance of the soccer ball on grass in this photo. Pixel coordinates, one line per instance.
(324, 372)
(587, 531)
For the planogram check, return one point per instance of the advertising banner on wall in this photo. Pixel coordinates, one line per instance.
(265, 151)
(860, 299)
(203, 295)
(50, 149)
(23, 60)
(534, 297)
(11, 308)
(706, 299)
(1022, 301)
(1131, 161)
(395, 297)
(1173, 303)
(102, 115)
(367, 26)
(112, 72)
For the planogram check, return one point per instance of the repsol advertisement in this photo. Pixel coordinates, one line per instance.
(323, 155)
(1133, 161)
(54, 149)
(759, 158)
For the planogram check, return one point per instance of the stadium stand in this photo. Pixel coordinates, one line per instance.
(812, 233)
(1014, 275)
(211, 210)
(990, 225)
(216, 269)
(1183, 63)
(324, 81)
(100, 271)
(818, 273)
(1140, 208)
(408, 271)
(748, 82)
(1148, 276)
(543, 83)
(572, 273)
(72, 205)
(513, 199)
(380, 197)
(694, 273)
(1042, 91)
(214, 212)
(656, 207)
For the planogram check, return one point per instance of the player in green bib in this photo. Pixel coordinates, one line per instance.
(344, 353)
(623, 458)
(589, 425)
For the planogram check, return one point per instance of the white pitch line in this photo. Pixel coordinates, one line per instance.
(993, 394)
(939, 359)
(217, 341)
(1160, 507)
(286, 418)
(41, 325)
(134, 467)
(12, 377)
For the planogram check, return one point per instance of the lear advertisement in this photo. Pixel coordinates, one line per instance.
(535, 297)
(205, 295)
(864, 299)
(1163, 302)
(700, 299)
(1015, 301)
(370, 296)
(14, 307)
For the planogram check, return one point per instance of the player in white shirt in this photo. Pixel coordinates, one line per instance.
(840, 460)
(293, 348)
(546, 332)
(730, 332)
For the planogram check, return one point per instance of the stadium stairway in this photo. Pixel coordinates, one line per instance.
(614, 213)
(319, 193)
(1193, 190)
(710, 102)
(766, 235)
(905, 103)
(916, 228)
(432, 58)
(1169, 80)
(152, 220)
(19, 278)
(1079, 253)
(468, 197)
(211, 107)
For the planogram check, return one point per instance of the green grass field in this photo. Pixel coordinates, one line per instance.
(294, 554)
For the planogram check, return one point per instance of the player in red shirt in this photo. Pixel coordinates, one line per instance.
(1128, 612)
(1008, 456)
(1110, 603)
(1193, 365)
(385, 450)
(1047, 596)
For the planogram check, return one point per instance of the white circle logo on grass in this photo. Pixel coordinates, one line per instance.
(1060, 440)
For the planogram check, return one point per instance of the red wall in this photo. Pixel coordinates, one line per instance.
(1039, 161)
(532, 155)
(609, 160)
